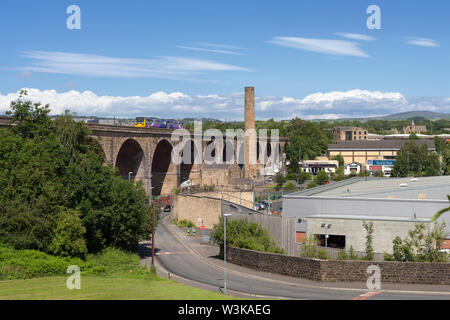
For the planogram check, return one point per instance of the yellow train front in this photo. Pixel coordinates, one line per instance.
(140, 122)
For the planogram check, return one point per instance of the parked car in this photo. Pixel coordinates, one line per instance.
(167, 208)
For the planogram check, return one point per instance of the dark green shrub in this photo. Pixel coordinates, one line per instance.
(244, 234)
(68, 240)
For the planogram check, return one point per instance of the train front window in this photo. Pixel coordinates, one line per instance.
(140, 120)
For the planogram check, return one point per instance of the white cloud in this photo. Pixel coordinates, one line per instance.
(209, 50)
(223, 46)
(81, 64)
(327, 105)
(327, 46)
(362, 95)
(355, 36)
(423, 42)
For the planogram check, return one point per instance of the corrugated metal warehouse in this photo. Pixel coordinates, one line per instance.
(394, 205)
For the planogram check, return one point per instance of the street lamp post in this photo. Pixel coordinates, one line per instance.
(129, 176)
(225, 215)
(326, 227)
(153, 237)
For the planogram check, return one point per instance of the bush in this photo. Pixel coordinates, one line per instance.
(244, 234)
(420, 245)
(184, 223)
(350, 255)
(68, 240)
(289, 186)
(24, 264)
(321, 178)
(311, 249)
(51, 167)
(369, 239)
(310, 185)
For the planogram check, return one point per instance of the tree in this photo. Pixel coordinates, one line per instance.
(244, 234)
(441, 212)
(51, 174)
(369, 239)
(289, 186)
(340, 159)
(416, 161)
(29, 119)
(321, 178)
(280, 179)
(69, 235)
(421, 245)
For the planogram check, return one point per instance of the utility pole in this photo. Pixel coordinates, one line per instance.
(153, 237)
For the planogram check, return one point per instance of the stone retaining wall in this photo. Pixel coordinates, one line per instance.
(334, 270)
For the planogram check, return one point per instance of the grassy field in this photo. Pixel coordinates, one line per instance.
(95, 287)
(109, 275)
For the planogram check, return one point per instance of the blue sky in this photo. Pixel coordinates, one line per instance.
(194, 58)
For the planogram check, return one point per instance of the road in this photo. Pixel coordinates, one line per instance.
(177, 258)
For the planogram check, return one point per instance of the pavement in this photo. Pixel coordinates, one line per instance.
(187, 259)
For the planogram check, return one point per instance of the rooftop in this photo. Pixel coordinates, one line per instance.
(425, 188)
(367, 217)
(377, 144)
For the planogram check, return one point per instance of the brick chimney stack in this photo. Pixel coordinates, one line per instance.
(250, 131)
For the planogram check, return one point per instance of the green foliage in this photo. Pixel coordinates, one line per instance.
(24, 264)
(244, 234)
(310, 249)
(421, 245)
(413, 136)
(378, 173)
(340, 159)
(30, 119)
(119, 262)
(280, 179)
(183, 223)
(339, 175)
(68, 240)
(347, 255)
(442, 211)
(321, 178)
(412, 160)
(303, 176)
(48, 168)
(289, 186)
(312, 184)
(369, 240)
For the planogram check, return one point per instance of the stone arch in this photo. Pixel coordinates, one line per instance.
(186, 167)
(161, 163)
(228, 154)
(130, 160)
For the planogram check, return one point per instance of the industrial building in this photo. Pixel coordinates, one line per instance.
(361, 151)
(394, 205)
(349, 133)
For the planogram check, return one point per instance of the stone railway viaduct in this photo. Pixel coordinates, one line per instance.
(145, 154)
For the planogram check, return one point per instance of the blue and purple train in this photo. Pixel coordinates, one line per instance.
(143, 122)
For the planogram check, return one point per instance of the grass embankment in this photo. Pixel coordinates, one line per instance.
(113, 274)
(183, 223)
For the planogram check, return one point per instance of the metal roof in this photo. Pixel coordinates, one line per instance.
(425, 188)
(368, 217)
(377, 144)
